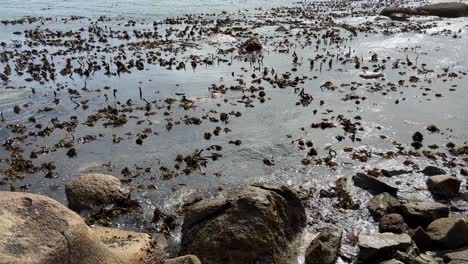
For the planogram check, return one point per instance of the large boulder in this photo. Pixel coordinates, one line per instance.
(382, 246)
(382, 204)
(253, 224)
(324, 249)
(37, 229)
(450, 9)
(448, 233)
(423, 213)
(94, 190)
(456, 257)
(373, 184)
(130, 247)
(444, 186)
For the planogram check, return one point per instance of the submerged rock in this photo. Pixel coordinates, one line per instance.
(382, 204)
(444, 186)
(251, 45)
(324, 248)
(382, 246)
(374, 184)
(94, 190)
(37, 229)
(432, 171)
(448, 233)
(253, 224)
(422, 214)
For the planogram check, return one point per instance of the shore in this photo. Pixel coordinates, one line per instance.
(330, 100)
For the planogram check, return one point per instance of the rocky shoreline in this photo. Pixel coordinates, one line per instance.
(365, 196)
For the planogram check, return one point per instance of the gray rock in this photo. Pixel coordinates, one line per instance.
(373, 184)
(188, 259)
(433, 171)
(392, 261)
(448, 233)
(382, 204)
(459, 256)
(94, 190)
(393, 223)
(324, 248)
(253, 224)
(423, 213)
(444, 186)
(382, 246)
(451, 9)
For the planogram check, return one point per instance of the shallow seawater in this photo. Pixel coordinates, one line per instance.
(387, 113)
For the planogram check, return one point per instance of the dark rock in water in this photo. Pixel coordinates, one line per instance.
(253, 224)
(324, 248)
(382, 204)
(251, 45)
(393, 223)
(422, 214)
(418, 137)
(343, 194)
(451, 9)
(281, 29)
(391, 173)
(432, 171)
(433, 129)
(444, 186)
(373, 184)
(416, 145)
(382, 246)
(421, 239)
(448, 233)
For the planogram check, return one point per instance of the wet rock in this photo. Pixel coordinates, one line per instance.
(418, 137)
(37, 229)
(444, 186)
(432, 129)
(374, 184)
(448, 233)
(382, 246)
(324, 248)
(251, 45)
(343, 194)
(94, 190)
(421, 239)
(130, 247)
(393, 223)
(451, 9)
(392, 261)
(188, 259)
(382, 204)
(253, 224)
(433, 171)
(281, 29)
(423, 213)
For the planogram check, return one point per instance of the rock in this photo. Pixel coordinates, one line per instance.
(374, 184)
(393, 223)
(392, 261)
(343, 193)
(444, 186)
(188, 259)
(418, 137)
(130, 247)
(281, 29)
(253, 224)
(37, 229)
(433, 129)
(391, 173)
(423, 213)
(448, 233)
(382, 204)
(456, 257)
(382, 246)
(251, 45)
(94, 190)
(324, 248)
(450, 9)
(421, 239)
(432, 171)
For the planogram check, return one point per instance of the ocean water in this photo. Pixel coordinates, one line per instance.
(156, 9)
